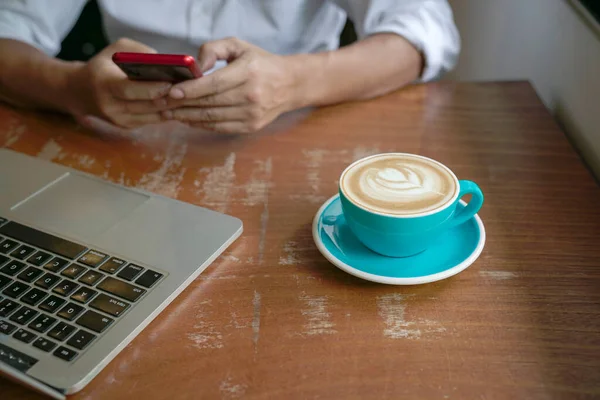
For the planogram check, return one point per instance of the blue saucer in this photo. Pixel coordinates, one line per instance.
(457, 249)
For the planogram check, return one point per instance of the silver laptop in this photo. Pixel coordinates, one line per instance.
(85, 265)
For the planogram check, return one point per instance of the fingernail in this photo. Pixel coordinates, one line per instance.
(168, 114)
(176, 93)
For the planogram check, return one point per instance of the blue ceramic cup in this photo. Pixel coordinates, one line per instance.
(407, 235)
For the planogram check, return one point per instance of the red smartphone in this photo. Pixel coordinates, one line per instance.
(157, 67)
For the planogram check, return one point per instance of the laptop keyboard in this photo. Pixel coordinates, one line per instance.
(60, 296)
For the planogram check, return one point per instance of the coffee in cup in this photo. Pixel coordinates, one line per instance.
(399, 184)
(397, 204)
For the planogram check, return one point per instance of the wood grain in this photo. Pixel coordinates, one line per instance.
(272, 318)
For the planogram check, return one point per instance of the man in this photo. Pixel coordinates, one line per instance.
(279, 55)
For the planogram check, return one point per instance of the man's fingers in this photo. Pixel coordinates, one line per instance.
(220, 81)
(229, 127)
(225, 49)
(130, 45)
(136, 120)
(121, 124)
(213, 114)
(126, 89)
(100, 126)
(234, 97)
(145, 106)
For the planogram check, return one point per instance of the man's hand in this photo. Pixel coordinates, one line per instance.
(251, 91)
(103, 91)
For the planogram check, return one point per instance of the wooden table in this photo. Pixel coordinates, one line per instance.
(272, 319)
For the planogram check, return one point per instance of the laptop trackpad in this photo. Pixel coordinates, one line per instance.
(78, 206)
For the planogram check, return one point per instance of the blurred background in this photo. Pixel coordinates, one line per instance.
(554, 44)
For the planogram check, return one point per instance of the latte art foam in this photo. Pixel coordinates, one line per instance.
(398, 184)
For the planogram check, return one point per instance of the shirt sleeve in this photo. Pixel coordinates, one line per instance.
(40, 23)
(427, 24)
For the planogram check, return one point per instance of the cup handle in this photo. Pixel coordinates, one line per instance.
(468, 187)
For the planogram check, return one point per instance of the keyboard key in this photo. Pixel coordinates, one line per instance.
(40, 258)
(7, 246)
(42, 323)
(30, 274)
(24, 315)
(65, 354)
(4, 280)
(109, 305)
(13, 267)
(7, 328)
(121, 289)
(70, 311)
(15, 290)
(3, 259)
(148, 279)
(42, 240)
(93, 258)
(65, 288)
(83, 295)
(130, 272)
(56, 264)
(34, 296)
(51, 304)
(7, 306)
(91, 277)
(81, 339)
(47, 281)
(61, 331)
(22, 252)
(94, 321)
(112, 265)
(73, 271)
(44, 344)
(24, 336)
(3, 220)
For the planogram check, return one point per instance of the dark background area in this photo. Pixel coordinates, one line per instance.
(87, 36)
(594, 8)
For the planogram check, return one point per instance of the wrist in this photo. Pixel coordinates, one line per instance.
(69, 83)
(308, 83)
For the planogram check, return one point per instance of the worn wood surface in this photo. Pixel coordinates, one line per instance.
(272, 318)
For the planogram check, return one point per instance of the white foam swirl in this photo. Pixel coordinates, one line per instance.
(401, 183)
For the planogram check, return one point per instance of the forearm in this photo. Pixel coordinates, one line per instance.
(369, 68)
(31, 79)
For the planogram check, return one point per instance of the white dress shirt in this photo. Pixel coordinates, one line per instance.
(278, 26)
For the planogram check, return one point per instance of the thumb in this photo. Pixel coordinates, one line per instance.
(132, 46)
(224, 49)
